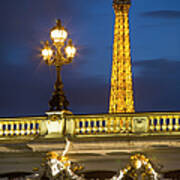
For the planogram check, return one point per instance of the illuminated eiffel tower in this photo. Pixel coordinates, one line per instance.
(121, 95)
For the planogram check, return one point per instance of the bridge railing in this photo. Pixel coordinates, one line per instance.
(93, 125)
(19, 126)
(101, 125)
(164, 123)
(146, 123)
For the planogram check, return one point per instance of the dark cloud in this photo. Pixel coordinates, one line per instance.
(155, 84)
(159, 25)
(88, 95)
(162, 67)
(156, 94)
(27, 90)
(23, 91)
(163, 14)
(88, 51)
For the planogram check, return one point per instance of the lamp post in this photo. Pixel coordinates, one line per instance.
(58, 53)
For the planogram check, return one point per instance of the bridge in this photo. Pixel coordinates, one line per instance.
(107, 140)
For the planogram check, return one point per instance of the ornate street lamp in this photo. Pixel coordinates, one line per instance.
(58, 53)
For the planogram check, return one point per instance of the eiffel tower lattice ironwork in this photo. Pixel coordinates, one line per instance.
(121, 95)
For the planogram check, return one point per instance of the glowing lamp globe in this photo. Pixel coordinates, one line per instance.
(46, 53)
(58, 34)
(70, 50)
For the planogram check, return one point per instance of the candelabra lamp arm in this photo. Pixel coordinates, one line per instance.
(67, 61)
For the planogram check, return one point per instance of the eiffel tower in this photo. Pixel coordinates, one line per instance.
(121, 95)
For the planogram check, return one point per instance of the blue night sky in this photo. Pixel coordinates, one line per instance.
(27, 82)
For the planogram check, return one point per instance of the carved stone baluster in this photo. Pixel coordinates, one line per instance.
(164, 126)
(176, 126)
(170, 126)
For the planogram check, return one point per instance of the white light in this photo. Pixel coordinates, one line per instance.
(138, 164)
(70, 51)
(59, 35)
(46, 53)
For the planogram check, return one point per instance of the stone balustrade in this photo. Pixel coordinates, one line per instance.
(164, 123)
(27, 126)
(92, 125)
(102, 125)
(126, 124)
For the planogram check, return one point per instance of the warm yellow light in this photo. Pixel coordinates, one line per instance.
(70, 51)
(59, 35)
(136, 164)
(46, 53)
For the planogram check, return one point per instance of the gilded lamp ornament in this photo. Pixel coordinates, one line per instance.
(58, 53)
